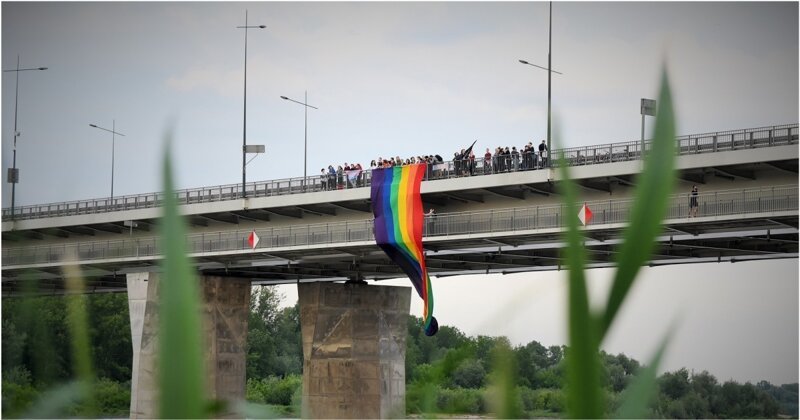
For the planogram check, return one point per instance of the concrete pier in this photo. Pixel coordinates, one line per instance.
(354, 342)
(225, 308)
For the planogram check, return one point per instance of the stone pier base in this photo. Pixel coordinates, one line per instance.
(225, 308)
(354, 343)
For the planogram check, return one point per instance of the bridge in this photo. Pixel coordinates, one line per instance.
(504, 216)
(488, 221)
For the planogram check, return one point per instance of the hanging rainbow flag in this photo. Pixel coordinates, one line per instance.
(397, 206)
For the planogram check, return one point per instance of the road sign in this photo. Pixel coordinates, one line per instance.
(13, 175)
(648, 107)
(253, 239)
(254, 148)
(585, 215)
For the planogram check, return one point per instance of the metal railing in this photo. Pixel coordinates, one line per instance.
(717, 203)
(613, 152)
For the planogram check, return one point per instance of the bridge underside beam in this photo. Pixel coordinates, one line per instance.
(546, 189)
(734, 173)
(253, 215)
(464, 197)
(596, 185)
(318, 210)
(295, 212)
(519, 194)
(429, 200)
(361, 206)
(785, 165)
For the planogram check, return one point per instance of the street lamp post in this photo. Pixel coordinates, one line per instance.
(550, 70)
(13, 173)
(113, 139)
(305, 135)
(244, 118)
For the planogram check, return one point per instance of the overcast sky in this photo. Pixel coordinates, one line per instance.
(409, 79)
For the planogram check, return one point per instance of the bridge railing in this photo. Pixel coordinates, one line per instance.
(585, 155)
(715, 203)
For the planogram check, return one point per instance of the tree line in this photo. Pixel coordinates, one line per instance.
(447, 373)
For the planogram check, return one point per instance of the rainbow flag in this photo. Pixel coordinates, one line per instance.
(397, 206)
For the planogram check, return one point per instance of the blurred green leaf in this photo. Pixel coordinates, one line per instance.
(640, 392)
(256, 411)
(181, 380)
(506, 395)
(653, 188)
(583, 366)
(54, 403)
(40, 346)
(78, 324)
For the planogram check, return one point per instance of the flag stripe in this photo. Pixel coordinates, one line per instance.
(397, 206)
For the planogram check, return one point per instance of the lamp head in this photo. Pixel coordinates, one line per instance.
(524, 62)
(262, 26)
(283, 97)
(42, 68)
(92, 125)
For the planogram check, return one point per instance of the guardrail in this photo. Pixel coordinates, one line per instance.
(613, 152)
(717, 203)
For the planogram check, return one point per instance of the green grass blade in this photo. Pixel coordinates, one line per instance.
(650, 206)
(641, 390)
(78, 324)
(40, 346)
(55, 402)
(181, 379)
(503, 379)
(583, 367)
(256, 411)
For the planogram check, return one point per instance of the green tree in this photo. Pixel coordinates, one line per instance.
(274, 346)
(14, 341)
(469, 374)
(110, 333)
(450, 338)
(675, 384)
(42, 343)
(532, 358)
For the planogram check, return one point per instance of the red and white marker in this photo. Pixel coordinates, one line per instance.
(585, 215)
(253, 239)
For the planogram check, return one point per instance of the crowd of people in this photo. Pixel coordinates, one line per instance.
(502, 159)
(464, 164)
(347, 176)
(353, 175)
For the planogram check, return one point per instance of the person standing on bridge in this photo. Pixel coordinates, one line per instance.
(430, 219)
(693, 202)
(543, 153)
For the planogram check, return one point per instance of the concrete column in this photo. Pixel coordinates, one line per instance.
(225, 309)
(354, 343)
(141, 402)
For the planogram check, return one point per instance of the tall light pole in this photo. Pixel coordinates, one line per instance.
(550, 70)
(244, 119)
(113, 138)
(305, 135)
(13, 173)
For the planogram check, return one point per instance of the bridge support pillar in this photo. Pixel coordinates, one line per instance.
(354, 344)
(224, 309)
